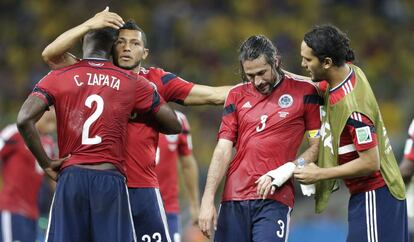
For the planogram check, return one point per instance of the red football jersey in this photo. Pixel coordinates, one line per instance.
(22, 176)
(267, 132)
(349, 144)
(143, 134)
(409, 147)
(93, 101)
(170, 148)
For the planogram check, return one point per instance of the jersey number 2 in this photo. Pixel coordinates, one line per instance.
(86, 126)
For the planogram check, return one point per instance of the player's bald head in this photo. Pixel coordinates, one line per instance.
(99, 41)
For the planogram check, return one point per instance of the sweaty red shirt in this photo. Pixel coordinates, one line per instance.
(22, 176)
(170, 148)
(267, 132)
(350, 144)
(143, 133)
(94, 100)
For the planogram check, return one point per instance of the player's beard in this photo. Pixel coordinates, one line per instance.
(128, 67)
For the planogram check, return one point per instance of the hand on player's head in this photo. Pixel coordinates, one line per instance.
(105, 19)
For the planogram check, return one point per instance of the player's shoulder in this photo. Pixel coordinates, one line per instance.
(302, 83)
(240, 88)
(9, 131)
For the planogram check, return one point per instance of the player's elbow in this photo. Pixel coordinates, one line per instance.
(45, 56)
(23, 120)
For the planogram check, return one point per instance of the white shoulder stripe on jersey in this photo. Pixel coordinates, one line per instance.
(411, 129)
(6, 226)
(8, 132)
(346, 149)
(407, 148)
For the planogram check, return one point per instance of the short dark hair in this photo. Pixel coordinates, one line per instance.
(256, 46)
(131, 25)
(328, 41)
(102, 39)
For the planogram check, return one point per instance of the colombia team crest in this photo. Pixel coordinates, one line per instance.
(285, 101)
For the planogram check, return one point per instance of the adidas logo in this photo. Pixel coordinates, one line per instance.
(247, 105)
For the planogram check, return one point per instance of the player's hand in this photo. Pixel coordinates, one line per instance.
(105, 19)
(264, 186)
(308, 174)
(54, 165)
(207, 219)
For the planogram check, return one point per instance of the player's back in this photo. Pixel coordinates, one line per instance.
(93, 101)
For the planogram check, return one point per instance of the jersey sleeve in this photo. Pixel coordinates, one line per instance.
(147, 97)
(229, 123)
(362, 131)
(45, 90)
(409, 146)
(175, 88)
(185, 144)
(312, 117)
(7, 145)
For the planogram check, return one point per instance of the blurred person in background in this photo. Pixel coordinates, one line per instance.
(407, 172)
(407, 164)
(172, 148)
(129, 51)
(265, 119)
(93, 100)
(354, 144)
(22, 179)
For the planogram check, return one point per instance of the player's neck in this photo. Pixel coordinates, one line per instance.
(137, 69)
(338, 75)
(98, 54)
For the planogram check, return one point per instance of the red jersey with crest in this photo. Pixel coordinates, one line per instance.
(22, 176)
(170, 148)
(93, 101)
(409, 147)
(350, 143)
(143, 133)
(267, 132)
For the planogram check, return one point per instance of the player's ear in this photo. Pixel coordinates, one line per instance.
(146, 52)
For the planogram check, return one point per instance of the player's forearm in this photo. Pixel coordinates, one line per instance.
(190, 172)
(311, 153)
(56, 50)
(218, 167)
(365, 164)
(201, 94)
(32, 139)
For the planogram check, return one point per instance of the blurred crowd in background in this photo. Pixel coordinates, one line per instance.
(198, 40)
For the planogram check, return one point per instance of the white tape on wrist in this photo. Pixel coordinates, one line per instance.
(281, 174)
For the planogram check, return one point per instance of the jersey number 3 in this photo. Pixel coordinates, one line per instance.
(86, 140)
(262, 124)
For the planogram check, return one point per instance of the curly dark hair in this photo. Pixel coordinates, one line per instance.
(327, 41)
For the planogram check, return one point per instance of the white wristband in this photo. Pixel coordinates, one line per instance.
(281, 174)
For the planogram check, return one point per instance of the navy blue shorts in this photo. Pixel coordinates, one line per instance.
(174, 226)
(15, 227)
(253, 221)
(149, 215)
(90, 205)
(376, 216)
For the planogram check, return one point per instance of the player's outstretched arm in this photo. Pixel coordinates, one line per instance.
(367, 163)
(190, 172)
(167, 120)
(201, 95)
(56, 53)
(219, 163)
(31, 111)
